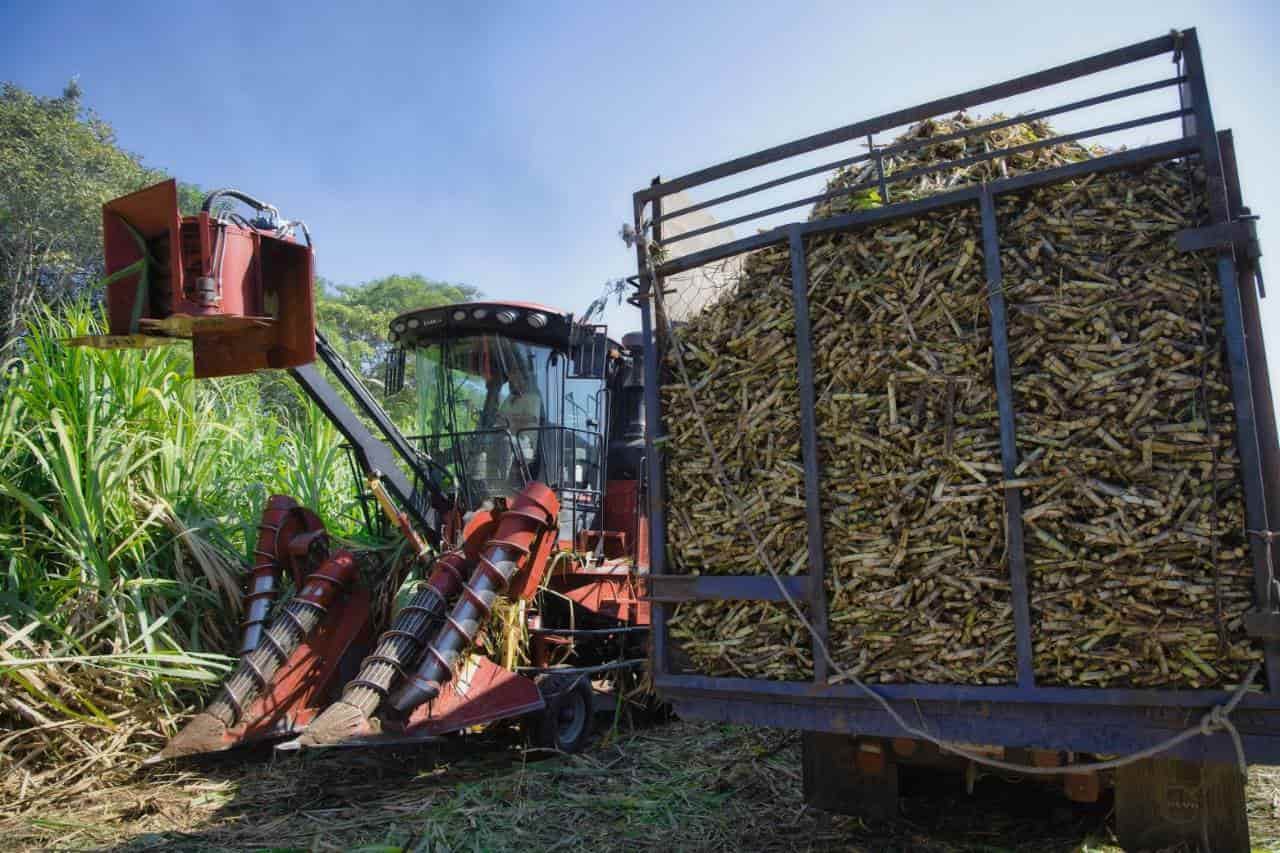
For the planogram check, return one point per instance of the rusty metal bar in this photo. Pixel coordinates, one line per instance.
(1129, 159)
(926, 143)
(809, 449)
(1196, 93)
(675, 589)
(648, 291)
(898, 177)
(1019, 595)
(954, 103)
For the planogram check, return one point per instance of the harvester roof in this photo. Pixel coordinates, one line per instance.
(526, 321)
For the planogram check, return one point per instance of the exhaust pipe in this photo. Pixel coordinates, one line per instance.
(208, 731)
(530, 514)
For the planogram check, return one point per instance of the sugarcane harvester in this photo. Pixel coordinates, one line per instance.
(526, 485)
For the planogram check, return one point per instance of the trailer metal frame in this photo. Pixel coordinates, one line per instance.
(1023, 714)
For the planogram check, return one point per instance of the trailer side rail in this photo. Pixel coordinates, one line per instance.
(1024, 712)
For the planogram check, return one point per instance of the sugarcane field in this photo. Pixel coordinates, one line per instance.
(715, 427)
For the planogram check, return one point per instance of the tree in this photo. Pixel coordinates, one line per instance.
(357, 318)
(58, 164)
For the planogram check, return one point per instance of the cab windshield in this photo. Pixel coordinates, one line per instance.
(484, 402)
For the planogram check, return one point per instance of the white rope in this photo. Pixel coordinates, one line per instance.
(1215, 720)
(1273, 586)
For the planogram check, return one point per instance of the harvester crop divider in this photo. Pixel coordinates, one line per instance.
(481, 692)
(305, 684)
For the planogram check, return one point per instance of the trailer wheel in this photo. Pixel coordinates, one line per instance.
(565, 724)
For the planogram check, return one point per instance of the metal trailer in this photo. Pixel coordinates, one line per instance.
(1153, 803)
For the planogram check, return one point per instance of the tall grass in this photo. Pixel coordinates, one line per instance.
(128, 496)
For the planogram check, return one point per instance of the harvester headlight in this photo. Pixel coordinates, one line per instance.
(538, 321)
(398, 327)
(480, 313)
(459, 315)
(506, 317)
(414, 323)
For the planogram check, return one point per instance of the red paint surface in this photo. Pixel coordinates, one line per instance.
(264, 316)
(310, 679)
(482, 693)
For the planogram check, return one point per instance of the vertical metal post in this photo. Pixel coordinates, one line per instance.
(1196, 91)
(884, 186)
(647, 294)
(809, 446)
(1019, 595)
(1247, 443)
(1249, 285)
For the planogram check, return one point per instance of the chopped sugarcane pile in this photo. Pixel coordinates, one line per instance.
(1133, 518)
(744, 348)
(1133, 511)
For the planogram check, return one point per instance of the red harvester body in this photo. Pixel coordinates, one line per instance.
(240, 291)
(530, 488)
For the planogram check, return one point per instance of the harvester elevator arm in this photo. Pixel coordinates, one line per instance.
(376, 457)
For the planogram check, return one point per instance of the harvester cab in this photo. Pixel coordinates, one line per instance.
(521, 492)
(509, 393)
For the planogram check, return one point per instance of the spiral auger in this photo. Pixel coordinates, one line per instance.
(282, 520)
(208, 730)
(527, 517)
(397, 649)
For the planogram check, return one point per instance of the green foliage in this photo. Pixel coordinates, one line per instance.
(356, 318)
(58, 163)
(359, 315)
(190, 198)
(129, 493)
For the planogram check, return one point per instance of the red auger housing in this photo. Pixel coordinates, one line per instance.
(239, 289)
(512, 549)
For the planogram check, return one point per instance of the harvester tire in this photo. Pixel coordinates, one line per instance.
(565, 724)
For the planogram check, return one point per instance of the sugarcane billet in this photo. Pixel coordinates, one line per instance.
(1133, 517)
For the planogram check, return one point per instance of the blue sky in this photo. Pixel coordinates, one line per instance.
(499, 144)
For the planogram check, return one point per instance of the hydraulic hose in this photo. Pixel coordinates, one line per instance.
(251, 678)
(531, 513)
(256, 204)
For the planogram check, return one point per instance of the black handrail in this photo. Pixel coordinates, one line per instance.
(377, 457)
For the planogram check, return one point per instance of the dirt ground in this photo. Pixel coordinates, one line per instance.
(679, 786)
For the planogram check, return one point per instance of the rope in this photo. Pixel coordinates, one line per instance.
(1215, 720)
(1273, 587)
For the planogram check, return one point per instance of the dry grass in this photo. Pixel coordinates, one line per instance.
(684, 786)
(66, 718)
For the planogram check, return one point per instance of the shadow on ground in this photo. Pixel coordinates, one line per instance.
(680, 786)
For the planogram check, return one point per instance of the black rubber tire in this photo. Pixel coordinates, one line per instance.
(566, 724)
